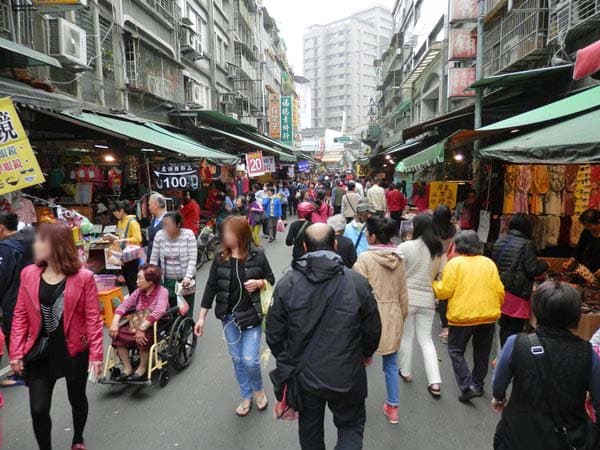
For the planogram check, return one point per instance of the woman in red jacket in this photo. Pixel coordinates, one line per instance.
(57, 305)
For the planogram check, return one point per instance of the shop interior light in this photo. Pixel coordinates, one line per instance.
(147, 149)
(516, 130)
(100, 146)
(458, 157)
(109, 158)
(385, 165)
(388, 156)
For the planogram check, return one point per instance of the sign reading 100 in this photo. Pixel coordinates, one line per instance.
(177, 176)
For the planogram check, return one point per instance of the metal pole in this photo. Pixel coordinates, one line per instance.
(478, 91)
(212, 44)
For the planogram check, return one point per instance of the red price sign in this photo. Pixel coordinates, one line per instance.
(255, 164)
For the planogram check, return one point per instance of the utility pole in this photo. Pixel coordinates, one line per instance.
(478, 91)
(212, 44)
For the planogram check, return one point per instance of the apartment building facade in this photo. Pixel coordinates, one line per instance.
(145, 57)
(338, 61)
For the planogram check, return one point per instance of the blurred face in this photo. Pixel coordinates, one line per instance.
(362, 217)
(230, 240)
(42, 249)
(471, 198)
(239, 203)
(170, 227)
(119, 213)
(592, 228)
(142, 283)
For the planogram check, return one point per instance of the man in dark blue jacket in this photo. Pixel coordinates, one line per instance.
(15, 254)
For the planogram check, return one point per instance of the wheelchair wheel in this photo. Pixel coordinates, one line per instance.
(182, 343)
(160, 378)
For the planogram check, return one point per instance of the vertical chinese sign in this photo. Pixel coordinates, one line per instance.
(461, 10)
(296, 121)
(274, 116)
(18, 166)
(459, 80)
(287, 132)
(462, 44)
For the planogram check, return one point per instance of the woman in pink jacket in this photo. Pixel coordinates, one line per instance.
(323, 209)
(56, 331)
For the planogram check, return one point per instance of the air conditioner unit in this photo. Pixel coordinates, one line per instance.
(233, 115)
(227, 99)
(187, 22)
(197, 94)
(232, 72)
(66, 42)
(199, 50)
(189, 41)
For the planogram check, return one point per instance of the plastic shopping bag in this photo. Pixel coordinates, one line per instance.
(280, 226)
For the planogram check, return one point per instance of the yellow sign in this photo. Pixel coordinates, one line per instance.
(362, 171)
(441, 193)
(18, 166)
(55, 2)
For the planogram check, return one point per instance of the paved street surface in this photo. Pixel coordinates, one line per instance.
(195, 410)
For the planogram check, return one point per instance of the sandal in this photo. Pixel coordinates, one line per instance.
(435, 393)
(243, 409)
(263, 403)
(405, 378)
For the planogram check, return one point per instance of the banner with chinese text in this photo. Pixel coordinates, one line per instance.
(255, 164)
(287, 132)
(461, 10)
(274, 116)
(463, 44)
(441, 193)
(269, 163)
(19, 167)
(459, 80)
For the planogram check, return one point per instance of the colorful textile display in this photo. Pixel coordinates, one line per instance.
(583, 189)
(553, 199)
(540, 184)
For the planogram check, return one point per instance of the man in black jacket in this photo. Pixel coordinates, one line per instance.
(324, 324)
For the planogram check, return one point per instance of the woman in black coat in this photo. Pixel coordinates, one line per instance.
(515, 256)
(237, 276)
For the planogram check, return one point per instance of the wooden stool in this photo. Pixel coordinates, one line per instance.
(106, 303)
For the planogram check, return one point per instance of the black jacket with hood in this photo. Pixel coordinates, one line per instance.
(15, 254)
(351, 333)
(517, 263)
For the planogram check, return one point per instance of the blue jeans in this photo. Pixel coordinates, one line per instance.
(244, 349)
(392, 379)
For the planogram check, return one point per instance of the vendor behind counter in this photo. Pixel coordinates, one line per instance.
(588, 247)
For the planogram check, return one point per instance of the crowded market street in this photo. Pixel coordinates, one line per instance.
(194, 411)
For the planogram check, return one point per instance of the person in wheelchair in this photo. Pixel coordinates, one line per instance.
(148, 302)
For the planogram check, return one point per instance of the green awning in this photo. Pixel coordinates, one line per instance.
(13, 54)
(425, 158)
(283, 156)
(269, 140)
(399, 147)
(150, 134)
(217, 119)
(576, 140)
(574, 104)
(513, 78)
(401, 108)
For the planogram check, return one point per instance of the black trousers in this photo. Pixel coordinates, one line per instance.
(6, 326)
(349, 418)
(443, 310)
(337, 209)
(130, 271)
(509, 326)
(458, 338)
(40, 401)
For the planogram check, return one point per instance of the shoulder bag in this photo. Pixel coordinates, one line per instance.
(583, 437)
(360, 235)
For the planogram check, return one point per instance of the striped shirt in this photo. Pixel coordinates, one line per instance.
(177, 257)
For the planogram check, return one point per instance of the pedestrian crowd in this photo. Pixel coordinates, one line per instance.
(361, 285)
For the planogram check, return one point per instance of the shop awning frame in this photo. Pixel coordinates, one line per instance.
(572, 141)
(152, 135)
(431, 156)
(399, 147)
(216, 118)
(513, 78)
(22, 93)
(22, 56)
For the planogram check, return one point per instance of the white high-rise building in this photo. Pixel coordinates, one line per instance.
(338, 61)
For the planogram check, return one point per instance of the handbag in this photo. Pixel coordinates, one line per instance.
(39, 349)
(585, 436)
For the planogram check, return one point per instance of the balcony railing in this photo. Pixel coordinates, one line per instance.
(4, 18)
(572, 15)
(518, 39)
(247, 67)
(165, 8)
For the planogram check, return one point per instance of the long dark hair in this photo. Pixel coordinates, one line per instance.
(423, 228)
(442, 222)
(319, 198)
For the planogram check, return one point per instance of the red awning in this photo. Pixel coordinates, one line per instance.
(587, 61)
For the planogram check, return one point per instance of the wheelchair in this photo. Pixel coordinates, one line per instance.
(174, 344)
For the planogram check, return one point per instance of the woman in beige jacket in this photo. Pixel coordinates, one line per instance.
(383, 267)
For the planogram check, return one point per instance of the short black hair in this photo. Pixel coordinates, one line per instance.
(351, 185)
(520, 222)
(590, 216)
(382, 228)
(319, 236)
(556, 305)
(10, 220)
(175, 217)
(122, 205)
(270, 189)
(467, 242)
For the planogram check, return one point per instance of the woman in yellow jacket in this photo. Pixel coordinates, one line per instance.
(471, 284)
(130, 233)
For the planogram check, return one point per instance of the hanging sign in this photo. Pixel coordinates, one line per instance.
(255, 164)
(303, 166)
(287, 132)
(19, 167)
(274, 116)
(441, 193)
(269, 162)
(463, 10)
(459, 80)
(462, 45)
(177, 175)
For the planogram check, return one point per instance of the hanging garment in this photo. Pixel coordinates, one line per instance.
(552, 230)
(539, 232)
(540, 183)
(595, 187)
(25, 211)
(511, 175)
(523, 185)
(576, 229)
(553, 199)
(583, 189)
(570, 186)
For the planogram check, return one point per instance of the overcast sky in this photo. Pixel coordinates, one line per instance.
(293, 17)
